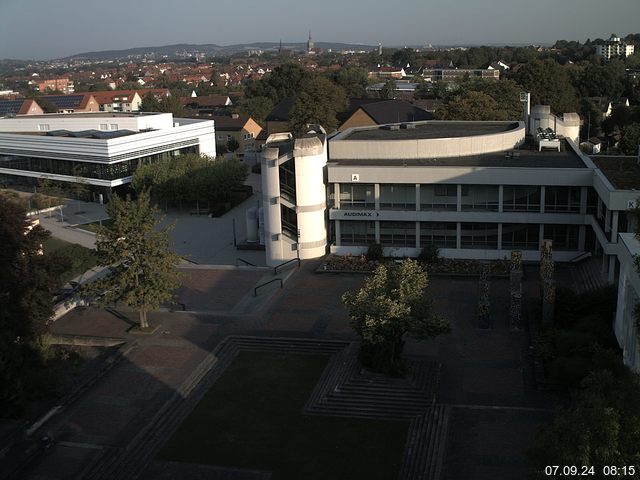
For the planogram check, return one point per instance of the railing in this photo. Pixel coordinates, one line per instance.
(255, 290)
(579, 258)
(275, 269)
(244, 261)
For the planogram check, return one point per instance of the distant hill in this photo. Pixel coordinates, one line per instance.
(179, 50)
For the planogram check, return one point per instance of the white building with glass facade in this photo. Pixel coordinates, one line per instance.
(101, 150)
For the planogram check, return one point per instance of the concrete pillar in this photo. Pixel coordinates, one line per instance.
(541, 236)
(614, 226)
(458, 232)
(612, 269)
(582, 236)
(337, 231)
(376, 195)
(336, 195)
(499, 236)
(417, 197)
(377, 231)
(459, 199)
(543, 192)
(583, 200)
(418, 235)
(500, 198)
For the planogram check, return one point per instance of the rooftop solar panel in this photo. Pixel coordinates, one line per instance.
(67, 101)
(10, 107)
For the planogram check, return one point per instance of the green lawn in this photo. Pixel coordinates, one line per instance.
(70, 260)
(252, 418)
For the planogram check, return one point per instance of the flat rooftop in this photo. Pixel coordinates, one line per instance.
(523, 158)
(85, 115)
(431, 130)
(622, 172)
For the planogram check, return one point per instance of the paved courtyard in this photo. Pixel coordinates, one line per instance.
(485, 380)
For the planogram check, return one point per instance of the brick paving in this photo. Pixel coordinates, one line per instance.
(480, 368)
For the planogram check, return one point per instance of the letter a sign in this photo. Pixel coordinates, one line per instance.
(355, 177)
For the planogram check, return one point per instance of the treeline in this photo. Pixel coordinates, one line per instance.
(192, 181)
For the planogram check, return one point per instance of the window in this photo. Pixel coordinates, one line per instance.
(521, 199)
(114, 126)
(520, 236)
(562, 200)
(564, 237)
(357, 233)
(398, 196)
(439, 197)
(479, 235)
(43, 127)
(398, 234)
(480, 197)
(439, 234)
(357, 196)
(289, 222)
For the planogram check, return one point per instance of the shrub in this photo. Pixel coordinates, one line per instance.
(375, 253)
(429, 254)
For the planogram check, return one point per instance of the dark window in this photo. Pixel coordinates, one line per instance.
(357, 233)
(357, 196)
(479, 235)
(398, 234)
(439, 234)
(520, 199)
(564, 237)
(520, 236)
(398, 196)
(480, 197)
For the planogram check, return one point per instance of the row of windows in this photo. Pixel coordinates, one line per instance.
(101, 171)
(472, 235)
(473, 197)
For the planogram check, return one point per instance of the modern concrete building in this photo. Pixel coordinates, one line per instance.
(101, 150)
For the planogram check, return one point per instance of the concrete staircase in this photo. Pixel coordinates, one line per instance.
(587, 275)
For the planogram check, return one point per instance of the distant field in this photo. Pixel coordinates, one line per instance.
(252, 418)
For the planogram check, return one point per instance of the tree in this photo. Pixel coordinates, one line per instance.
(353, 80)
(318, 102)
(392, 303)
(630, 141)
(285, 81)
(26, 305)
(257, 108)
(233, 145)
(471, 105)
(150, 103)
(143, 268)
(388, 91)
(549, 84)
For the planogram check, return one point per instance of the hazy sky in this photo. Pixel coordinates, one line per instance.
(42, 29)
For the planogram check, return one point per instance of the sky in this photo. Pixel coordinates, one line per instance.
(43, 29)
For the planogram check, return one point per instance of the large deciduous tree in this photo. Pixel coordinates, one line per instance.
(391, 304)
(318, 102)
(142, 266)
(549, 84)
(26, 305)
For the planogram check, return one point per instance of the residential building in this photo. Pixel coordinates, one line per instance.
(63, 85)
(449, 74)
(118, 100)
(101, 150)
(383, 112)
(242, 128)
(74, 103)
(388, 72)
(207, 105)
(23, 106)
(614, 47)
(278, 118)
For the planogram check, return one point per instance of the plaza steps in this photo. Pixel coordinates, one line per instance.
(426, 445)
(587, 276)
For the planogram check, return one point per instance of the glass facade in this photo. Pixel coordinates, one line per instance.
(439, 197)
(479, 235)
(357, 196)
(398, 196)
(440, 234)
(357, 233)
(287, 171)
(562, 199)
(480, 197)
(100, 171)
(564, 237)
(398, 234)
(289, 221)
(520, 236)
(520, 199)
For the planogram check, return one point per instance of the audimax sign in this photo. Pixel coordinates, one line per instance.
(360, 214)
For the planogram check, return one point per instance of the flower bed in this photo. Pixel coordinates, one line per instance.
(444, 266)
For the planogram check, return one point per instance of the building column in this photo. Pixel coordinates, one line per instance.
(500, 198)
(607, 221)
(583, 200)
(541, 236)
(337, 232)
(543, 192)
(418, 235)
(614, 226)
(458, 233)
(459, 199)
(336, 195)
(417, 197)
(612, 269)
(376, 195)
(500, 236)
(377, 231)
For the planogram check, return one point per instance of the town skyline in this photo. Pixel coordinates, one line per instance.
(143, 24)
